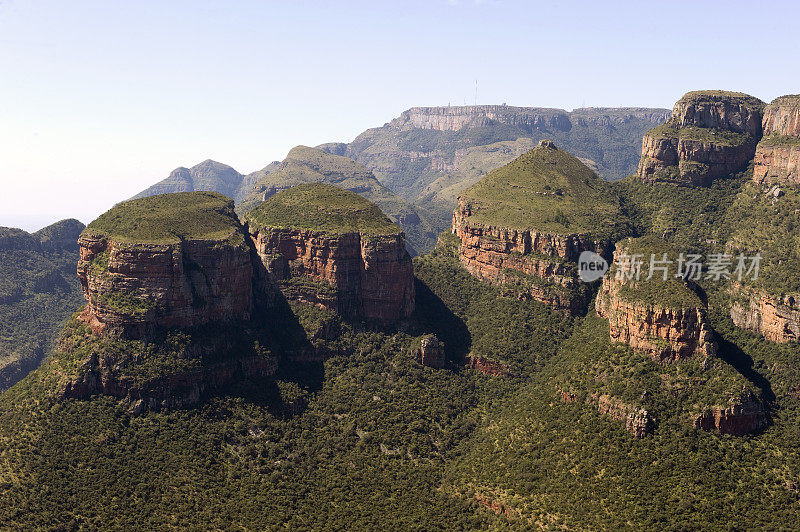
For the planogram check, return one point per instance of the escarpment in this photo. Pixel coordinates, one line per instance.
(171, 288)
(765, 296)
(661, 317)
(175, 260)
(525, 225)
(304, 165)
(775, 318)
(710, 134)
(777, 157)
(744, 414)
(328, 246)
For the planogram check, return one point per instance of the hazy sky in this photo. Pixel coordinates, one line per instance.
(100, 99)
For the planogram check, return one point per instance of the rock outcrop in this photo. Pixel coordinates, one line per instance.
(777, 157)
(523, 239)
(744, 414)
(776, 319)
(346, 255)
(304, 165)
(641, 315)
(637, 420)
(146, 264)
(709, 135)
(498, 254)
(431, 352)
(110, 374)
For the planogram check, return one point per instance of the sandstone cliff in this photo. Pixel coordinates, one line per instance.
(709, 135)
(336, 250)
(776, 319)
(177, 260)
(664, 319)
(777, 157)
(304, 165)
(743, 414)
(525, 225)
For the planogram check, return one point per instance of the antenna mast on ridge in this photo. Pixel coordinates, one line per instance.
(476, 92)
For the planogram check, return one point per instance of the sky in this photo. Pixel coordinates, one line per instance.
(100, 99)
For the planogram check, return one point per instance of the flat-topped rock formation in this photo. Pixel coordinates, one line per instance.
(172, 260)
(763, 223)
(663, 318)
(710, 134)
(777, 157)
(304, 165)
(331, 247)
(525, 224)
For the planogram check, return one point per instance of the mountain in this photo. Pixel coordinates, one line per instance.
(281, 372)
(710, 134)
(525, 224)
(331, 246)
(206, 176)
(428, 155)
(309, 165)
(38, 292)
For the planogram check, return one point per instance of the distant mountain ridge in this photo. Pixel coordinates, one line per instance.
(428, 155)
(38, 291)
(210, 176)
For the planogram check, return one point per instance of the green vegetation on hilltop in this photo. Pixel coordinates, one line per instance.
(701, 134)
(759, 222)
(654, 289)
(169, 218)
(304, 165)
(716, 95)
(547, 190)
(324, 208)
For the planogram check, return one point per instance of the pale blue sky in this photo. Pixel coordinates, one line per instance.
(100, 99)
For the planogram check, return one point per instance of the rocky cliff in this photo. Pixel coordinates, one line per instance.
(664, 318)
(176, 260)
(305, 165)
(775, 318)
(328, 246)
(744, 414)
(777, 157)
(525, 225)
(710, 134)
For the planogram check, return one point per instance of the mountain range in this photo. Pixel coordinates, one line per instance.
(428, 155)
(281, 361)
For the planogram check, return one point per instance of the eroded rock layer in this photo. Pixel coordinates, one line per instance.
(666, 330)
(776, 319)
(777, 157)
(360, 276)
(743, 415)
(709, 135)
(497, 254)
(134, 284)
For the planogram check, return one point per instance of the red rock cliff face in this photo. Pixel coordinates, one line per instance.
(489, 253)
(666, 334)
(369, 277)
(133, 287)
(743, 415)
(777, 320)
(708, 136)
(777, 158)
